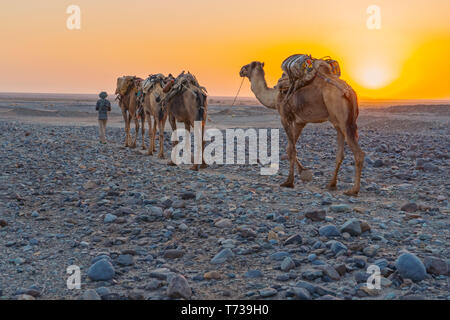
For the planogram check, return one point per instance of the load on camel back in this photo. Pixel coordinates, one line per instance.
(299, 70)
(146, 86)
(185, 81)
(185, 101)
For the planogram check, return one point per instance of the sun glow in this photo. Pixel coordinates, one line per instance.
(374, 77)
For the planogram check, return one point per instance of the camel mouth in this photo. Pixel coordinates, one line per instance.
(243, 72)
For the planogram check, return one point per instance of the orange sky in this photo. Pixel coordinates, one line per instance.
(409, 58)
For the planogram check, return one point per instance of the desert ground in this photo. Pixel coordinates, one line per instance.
(140, 229)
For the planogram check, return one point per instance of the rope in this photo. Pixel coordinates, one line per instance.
(239, 90)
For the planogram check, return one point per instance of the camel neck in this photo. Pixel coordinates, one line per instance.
(267, 96)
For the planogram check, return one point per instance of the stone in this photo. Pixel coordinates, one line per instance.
(125, 260)
(91, 295)
(317, 215)
(337, 246)
(410, 207)
(436, 265)
(102, 270)
(279, 256)
(224, 223)
(330, 272)
(361, 277)
(212, 275)
(287, 264)
(268, 292)
(409, 266)
(188, 195)
(3, 223)
(378, 163)
(301, 293)
(371, 251)
(352, 226)
(341, 269)
(306, 175)
(222, 256)
(272, 236)
(110, 218)
(253, 274)
(329, 231)
(365, 226)
(340, 208)
(179, 288)
(312, 274)
(173, 254)
(161, 274)
(294, 239)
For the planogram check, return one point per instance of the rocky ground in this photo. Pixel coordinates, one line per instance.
(139, 229)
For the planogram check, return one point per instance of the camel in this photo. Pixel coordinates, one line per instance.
(127, 88)
(319, 101)
(152, 107)
(187, 105)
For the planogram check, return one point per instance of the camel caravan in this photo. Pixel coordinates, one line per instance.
(179, 99)
(309, 91)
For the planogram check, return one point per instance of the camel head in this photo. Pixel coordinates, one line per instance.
(249, 69)
(124, 83)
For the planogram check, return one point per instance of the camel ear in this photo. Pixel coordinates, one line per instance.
(262, 64)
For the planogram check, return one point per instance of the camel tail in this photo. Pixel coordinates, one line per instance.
(352, 127)
(201, 99)
(161, 114)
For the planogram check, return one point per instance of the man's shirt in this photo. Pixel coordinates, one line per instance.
(103, 106)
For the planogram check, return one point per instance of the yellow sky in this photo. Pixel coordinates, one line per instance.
(409, 58)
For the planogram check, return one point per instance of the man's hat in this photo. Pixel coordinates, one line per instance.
(103, 95)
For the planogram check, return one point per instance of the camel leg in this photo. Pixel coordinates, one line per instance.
(130, 138)
(136, 131)
(125, 118)
(289, 183)
(173, 125)
(187, 126)
(297, 132)
(203, 165)
(154, 134)
(161, 124)
(143, 132)
(339, 159)
(150, 135)
(359, 162)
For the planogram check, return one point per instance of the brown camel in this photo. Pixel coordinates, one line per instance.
(319, 101)
(126, 91)
(187, 104)
(152, 107)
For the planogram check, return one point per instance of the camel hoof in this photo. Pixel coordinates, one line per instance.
(143, 148)
(170, 163)
(149, 153)
(203, 166)
(287, 184)
(194, 168)
(161, 156)
(351, 193)
(332, 187)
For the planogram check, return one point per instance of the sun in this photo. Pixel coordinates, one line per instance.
(374, 77)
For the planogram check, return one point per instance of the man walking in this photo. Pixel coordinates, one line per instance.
(103, 107)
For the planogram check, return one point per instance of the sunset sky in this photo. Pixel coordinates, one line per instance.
(408, 58)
